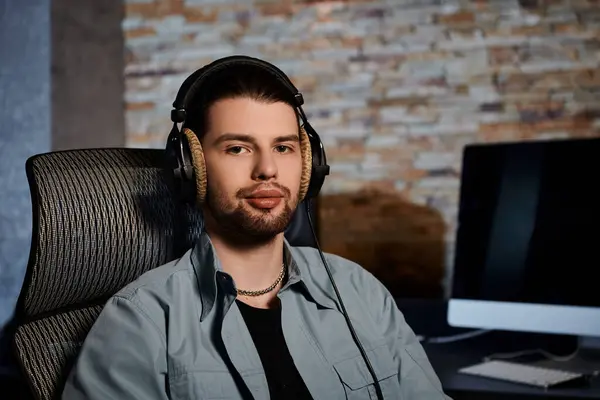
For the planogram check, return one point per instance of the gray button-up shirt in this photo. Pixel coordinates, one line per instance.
(176, 333)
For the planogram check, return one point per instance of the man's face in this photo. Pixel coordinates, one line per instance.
(254, 165)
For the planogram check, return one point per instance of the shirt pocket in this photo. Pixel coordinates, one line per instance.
(357, 380)
(205, 385)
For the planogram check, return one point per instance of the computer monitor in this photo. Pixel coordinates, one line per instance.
(527, 254)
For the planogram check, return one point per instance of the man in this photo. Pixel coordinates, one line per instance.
(243, 314)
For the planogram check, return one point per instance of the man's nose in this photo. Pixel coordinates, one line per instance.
(265, 166)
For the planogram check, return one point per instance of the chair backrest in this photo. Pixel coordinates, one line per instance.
(101, 218)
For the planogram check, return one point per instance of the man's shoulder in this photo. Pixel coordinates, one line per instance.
(344, 270)
(160, 281)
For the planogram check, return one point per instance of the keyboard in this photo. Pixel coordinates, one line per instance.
(523, 374)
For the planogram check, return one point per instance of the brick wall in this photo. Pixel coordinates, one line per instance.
(396, 89)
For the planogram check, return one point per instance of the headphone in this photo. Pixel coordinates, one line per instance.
(185, 157)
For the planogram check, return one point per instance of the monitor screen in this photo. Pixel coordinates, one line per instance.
(528, 228)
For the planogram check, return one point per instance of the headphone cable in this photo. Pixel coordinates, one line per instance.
(343, 308)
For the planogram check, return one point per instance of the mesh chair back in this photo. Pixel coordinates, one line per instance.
(101, 218)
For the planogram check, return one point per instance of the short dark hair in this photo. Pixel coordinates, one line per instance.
(237, 81)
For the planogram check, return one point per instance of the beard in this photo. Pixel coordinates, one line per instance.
(239, 222)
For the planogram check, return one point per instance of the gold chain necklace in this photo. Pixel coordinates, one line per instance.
(254, 293)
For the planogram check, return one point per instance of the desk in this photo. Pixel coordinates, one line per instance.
(428, 318)
(448, 358)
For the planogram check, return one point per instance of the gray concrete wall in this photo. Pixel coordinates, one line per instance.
(61, 87)
(87, 74)
(25, 129)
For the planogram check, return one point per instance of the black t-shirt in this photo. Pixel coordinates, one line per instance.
(282, 376)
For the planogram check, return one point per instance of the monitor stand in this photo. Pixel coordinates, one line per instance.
(586, 360)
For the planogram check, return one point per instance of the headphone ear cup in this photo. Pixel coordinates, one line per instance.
(318, 162)
(197, 155)
(306, 153)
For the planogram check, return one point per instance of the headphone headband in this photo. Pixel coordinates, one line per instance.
(180, 156)
(192, 84)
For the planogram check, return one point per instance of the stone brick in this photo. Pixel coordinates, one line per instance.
(483, 93)
(491, 107)
(382, 142)
(473, 62)
(548, 110)
(142, 9)
(412, 16)
(138, 32)
(503, 56)
(587, 79)
(410, 174)
(432, 161)
(545, 82)
(200, 14)
(464, 17)
(155, 9)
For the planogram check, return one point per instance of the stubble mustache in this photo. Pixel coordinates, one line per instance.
(246, 192)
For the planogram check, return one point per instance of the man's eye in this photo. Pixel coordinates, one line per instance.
(282, 149)
(235, 150)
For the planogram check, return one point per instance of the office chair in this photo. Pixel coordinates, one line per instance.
(101, 218)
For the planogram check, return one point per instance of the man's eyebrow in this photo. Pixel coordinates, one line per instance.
(287, 138)
(240, 137)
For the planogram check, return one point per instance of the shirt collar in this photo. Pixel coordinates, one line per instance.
(211, 277)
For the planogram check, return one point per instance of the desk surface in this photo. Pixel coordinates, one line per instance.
(448, 358)
(428, 317)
